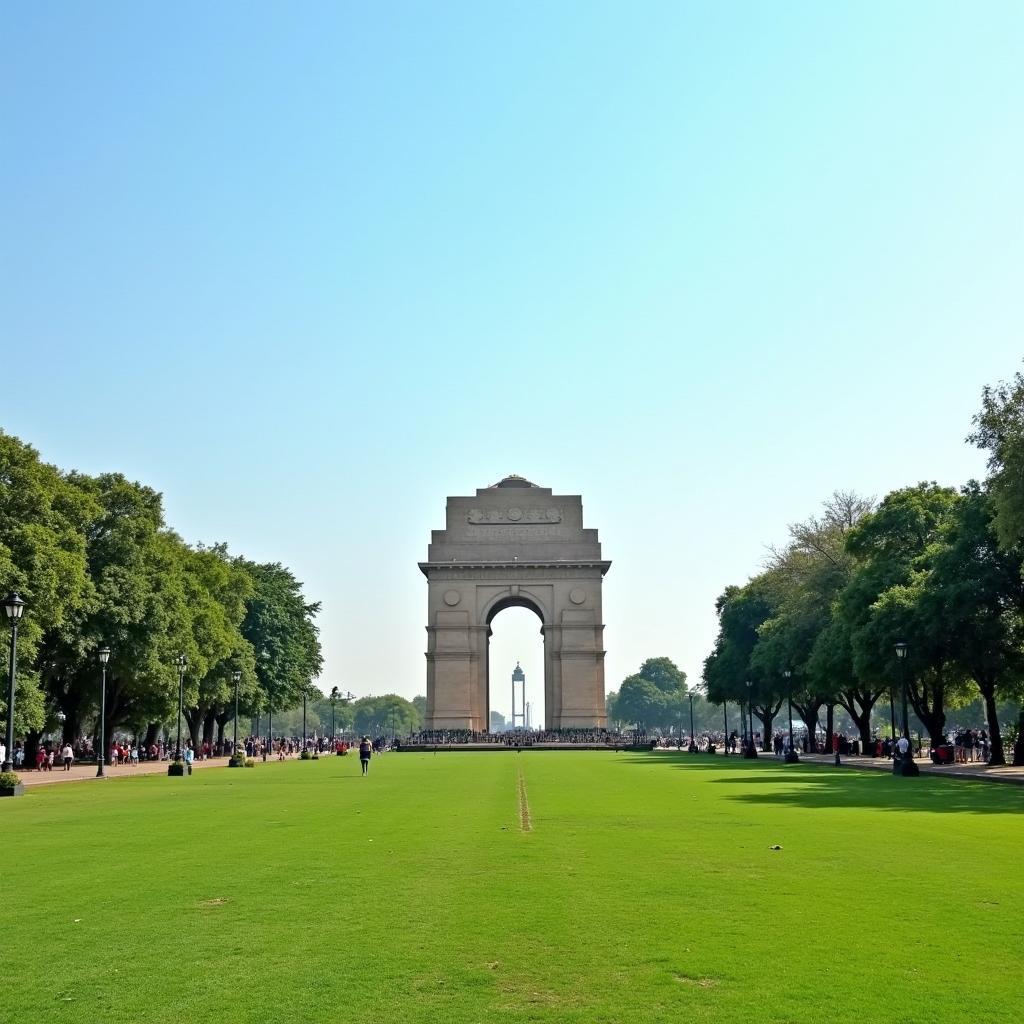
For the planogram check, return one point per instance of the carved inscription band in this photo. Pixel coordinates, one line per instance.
(513, 515)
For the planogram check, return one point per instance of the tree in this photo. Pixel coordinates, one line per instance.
(498, 723)
(43, 522)
(741, 613)
(279, 625)
(664, 673)
(805, 578)
(640, 702)
(652, 698)
(881, 603)
(375, 715)
(138, 607)
(973, 592)
(999, 430)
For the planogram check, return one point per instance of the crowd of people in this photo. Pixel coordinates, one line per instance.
(525, 738)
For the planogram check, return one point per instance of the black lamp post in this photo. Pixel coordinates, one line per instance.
(725, 720)
(182, 662)
(750, 711)
(751, 751)
(904, 765)
(693, 742)
(792, 757)
(236, 677)
(901, 653)
(303, 720)
(14, 607)
(104, 656)
(334, 702)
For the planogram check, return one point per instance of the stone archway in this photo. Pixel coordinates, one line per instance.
(514, 544)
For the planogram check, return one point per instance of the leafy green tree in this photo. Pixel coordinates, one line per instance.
(652, 698)
(999, 431)
(640, 703)
(805, 578)
(742, 611)
(665, 675)
(138, 607)
(882, 602)
(279, 626)
(218, 590)
(381, 715)
(972, 591)
(43, 522)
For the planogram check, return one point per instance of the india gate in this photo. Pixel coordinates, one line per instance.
(514, 544)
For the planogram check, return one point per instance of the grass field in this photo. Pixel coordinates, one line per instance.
(646, 890)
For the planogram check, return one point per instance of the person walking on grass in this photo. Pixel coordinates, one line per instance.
(365, 753)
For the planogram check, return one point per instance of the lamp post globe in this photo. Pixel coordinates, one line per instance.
(14, 608)
(103, 654)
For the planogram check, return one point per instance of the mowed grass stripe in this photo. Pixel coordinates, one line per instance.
(647, 892)
(525, 822)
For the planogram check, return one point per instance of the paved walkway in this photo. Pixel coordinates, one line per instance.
(84, 772)
(971, 770)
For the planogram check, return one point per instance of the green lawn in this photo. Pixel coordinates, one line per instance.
(647, 890)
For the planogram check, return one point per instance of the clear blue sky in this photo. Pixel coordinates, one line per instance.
(310, 268)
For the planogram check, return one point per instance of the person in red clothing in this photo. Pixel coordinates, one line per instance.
(40, 758)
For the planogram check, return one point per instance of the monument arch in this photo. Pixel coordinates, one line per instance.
(514, 545)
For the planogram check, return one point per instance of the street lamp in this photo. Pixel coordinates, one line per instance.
(725, 720)
(792, 757)
(334, 701)
(104, 656)
(182, 662)
(904, 765)
(693, 742)
(751, 751)
(901, 653)
(14, 607)
(236, 677)
(303, 720)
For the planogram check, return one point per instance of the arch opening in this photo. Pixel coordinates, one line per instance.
(516, 638)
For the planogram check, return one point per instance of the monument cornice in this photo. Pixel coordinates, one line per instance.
(486, 565)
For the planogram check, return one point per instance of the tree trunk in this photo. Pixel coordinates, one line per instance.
(209, 722)
(830, 718)
(72, 724)
(152, 734)
(931, 715)
(996, 753)
(858, 705)
(194, 720)
(809, 716)
(1018, 747)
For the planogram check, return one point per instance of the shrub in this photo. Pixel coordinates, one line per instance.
(250, 763)
(176, 768)
(237, 761)
(304, 756)
(8, 780)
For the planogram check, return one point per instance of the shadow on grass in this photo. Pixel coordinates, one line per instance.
(815, 785)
